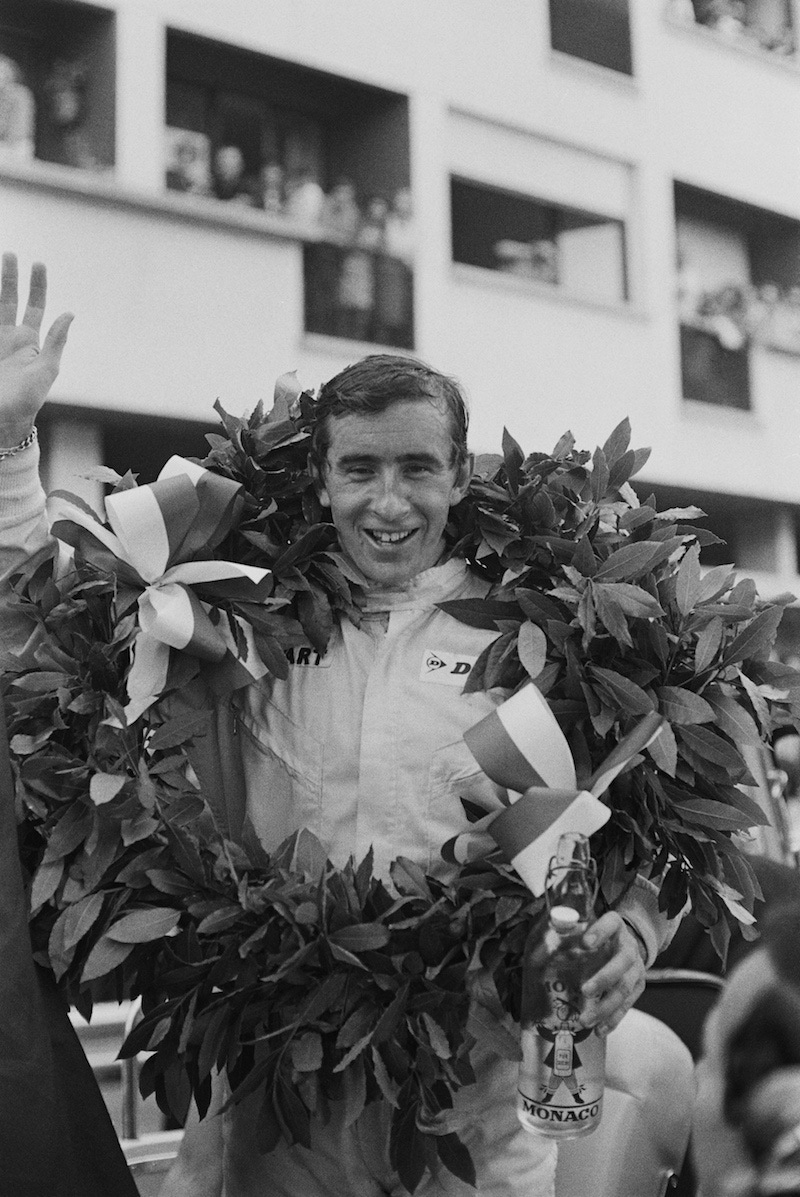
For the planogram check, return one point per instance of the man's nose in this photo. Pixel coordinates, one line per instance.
(391, 497)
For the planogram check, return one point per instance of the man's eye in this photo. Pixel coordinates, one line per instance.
(359, 472)
(418, 469)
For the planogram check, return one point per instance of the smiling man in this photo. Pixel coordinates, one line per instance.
(341, 741)
(390, 460)
(363, 746)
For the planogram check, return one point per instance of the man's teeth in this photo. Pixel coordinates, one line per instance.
(389, 537)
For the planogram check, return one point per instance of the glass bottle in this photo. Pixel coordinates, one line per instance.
(562, 1073)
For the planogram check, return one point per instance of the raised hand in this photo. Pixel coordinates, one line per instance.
(27, 371)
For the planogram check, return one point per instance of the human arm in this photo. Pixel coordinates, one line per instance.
(635, 933)
(26, 376)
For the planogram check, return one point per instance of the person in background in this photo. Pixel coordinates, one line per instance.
(356, 284)
(64, 137)
(271, 179)
(372, 230)
(338, 226)
(229, 179)
(188, 169)
(746, 1135)
(341, 215)
(394, 278)
(17, 114)
(399, 227)
(305, 198)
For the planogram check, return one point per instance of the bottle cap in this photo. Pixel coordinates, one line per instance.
(564, 918)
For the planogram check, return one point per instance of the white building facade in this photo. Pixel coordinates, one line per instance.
(606, 223)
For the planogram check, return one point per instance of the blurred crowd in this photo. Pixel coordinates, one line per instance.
(738, 314)
(764, 23)
(48, 122)
(359, 250)
(374, 222)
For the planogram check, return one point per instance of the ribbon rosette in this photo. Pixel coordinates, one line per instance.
(156, 533)
(520, 746)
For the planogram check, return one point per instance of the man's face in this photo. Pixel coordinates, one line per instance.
(389, 482)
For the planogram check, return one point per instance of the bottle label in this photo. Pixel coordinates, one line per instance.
(563, 1055)
(563, 1068)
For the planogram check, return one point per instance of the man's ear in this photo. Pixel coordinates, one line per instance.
(319, 483)
(463, 479)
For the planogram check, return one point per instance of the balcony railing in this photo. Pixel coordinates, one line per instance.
(359, 294)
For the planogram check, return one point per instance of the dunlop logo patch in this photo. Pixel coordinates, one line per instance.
(445, 669)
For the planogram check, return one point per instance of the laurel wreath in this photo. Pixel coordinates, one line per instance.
(310, 984)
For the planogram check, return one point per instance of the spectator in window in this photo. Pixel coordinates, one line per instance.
(17, 114)
(513, 257)
(64, 137)
(537, 260)
(400, 227)
(338, 222)
(372, 230)
(346, 276)
(725, 315)
(357, 275)
(229, 179)
(188, 171)
(341, 215)
(272, 182)
(393, 298)
(728, 17)
(305, 198)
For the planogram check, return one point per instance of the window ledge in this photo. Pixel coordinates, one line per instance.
(756, 343)
(697, 412)
(783, 350)
(344, 347)
(478, 276)
(102, 187)
(603, 74)
(749, 50)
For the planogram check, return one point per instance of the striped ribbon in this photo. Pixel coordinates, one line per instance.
(151, 538)
(520, 746)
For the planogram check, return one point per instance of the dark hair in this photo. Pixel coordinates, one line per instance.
(374, 384)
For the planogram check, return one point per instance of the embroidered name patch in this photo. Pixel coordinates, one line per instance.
(307, 656)
(445, 669)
